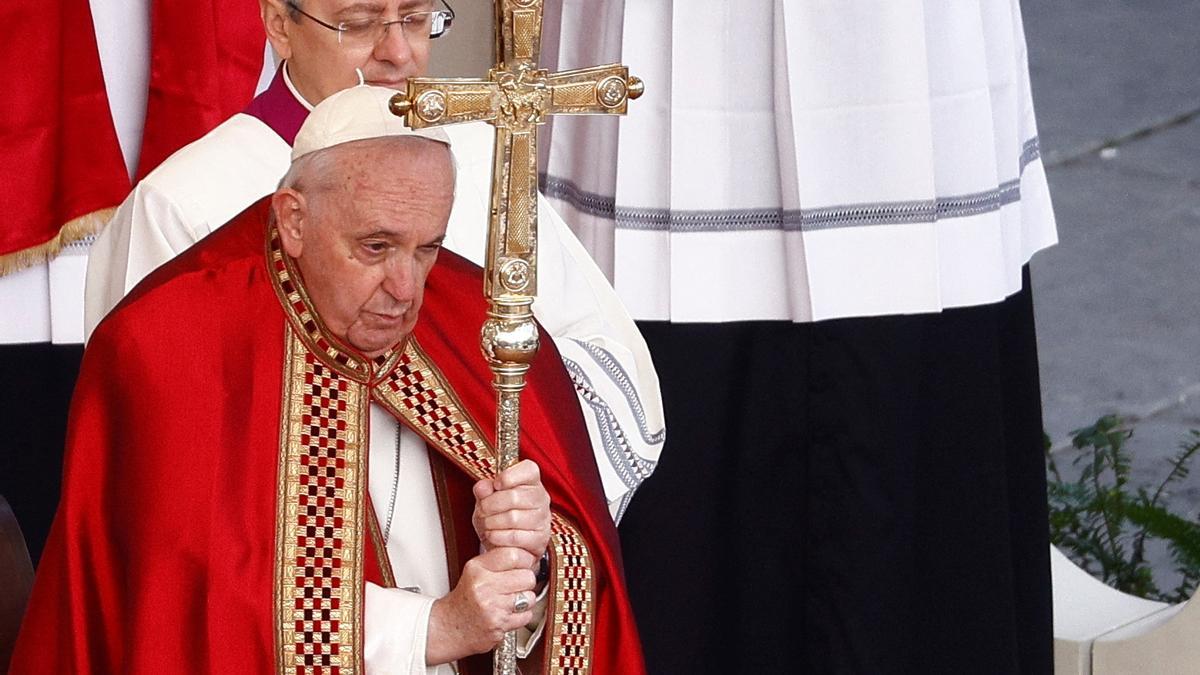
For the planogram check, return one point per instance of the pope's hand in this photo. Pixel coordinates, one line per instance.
(513, 509)
(473, 618)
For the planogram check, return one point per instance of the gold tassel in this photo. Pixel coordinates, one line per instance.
(74, 230)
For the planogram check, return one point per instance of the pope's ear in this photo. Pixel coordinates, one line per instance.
(277, 23)
(291, 212)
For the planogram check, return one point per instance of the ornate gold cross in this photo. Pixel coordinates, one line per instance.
(516, 98)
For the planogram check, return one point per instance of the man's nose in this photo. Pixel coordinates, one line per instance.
(400, 277)
(394, 47)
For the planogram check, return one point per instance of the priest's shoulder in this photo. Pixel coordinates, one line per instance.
(240, 160)
(215, 275)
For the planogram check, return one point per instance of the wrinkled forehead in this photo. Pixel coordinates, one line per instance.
(380, 174)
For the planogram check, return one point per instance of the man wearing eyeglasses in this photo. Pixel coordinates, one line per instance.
(330, 45)
(325, 46)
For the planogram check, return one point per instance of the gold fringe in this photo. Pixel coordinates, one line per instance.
(74, 230)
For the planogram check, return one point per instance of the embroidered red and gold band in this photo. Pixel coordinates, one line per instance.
(417, 392)
(569, 651)
(319, 519)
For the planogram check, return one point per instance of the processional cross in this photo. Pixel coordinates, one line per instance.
(516, 98)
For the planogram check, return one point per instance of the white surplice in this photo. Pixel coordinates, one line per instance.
(207, 183)
(803, 161)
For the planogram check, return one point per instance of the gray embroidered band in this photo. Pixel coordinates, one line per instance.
(630, 467)
(790, 220)
(616, 372)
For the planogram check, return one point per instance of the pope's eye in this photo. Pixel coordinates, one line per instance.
(375, 246)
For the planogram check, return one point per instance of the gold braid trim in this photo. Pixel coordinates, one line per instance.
(320, 526)
(572, 601)
(74, 230)
(418, 393)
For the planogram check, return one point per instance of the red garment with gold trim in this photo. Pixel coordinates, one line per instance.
(62, 168)
(164, 556)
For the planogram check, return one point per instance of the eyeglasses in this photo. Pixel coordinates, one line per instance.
(368, 32)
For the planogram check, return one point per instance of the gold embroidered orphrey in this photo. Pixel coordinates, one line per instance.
(516, 98)
(323, 521)
(319, 524)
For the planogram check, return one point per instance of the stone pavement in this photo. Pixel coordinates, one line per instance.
(1117, 89)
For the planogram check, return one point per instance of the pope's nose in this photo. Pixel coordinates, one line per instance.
(399, 280)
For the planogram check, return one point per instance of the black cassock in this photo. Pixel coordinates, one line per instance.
(862, 495)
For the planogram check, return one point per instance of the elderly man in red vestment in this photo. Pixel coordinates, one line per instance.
(274, 466)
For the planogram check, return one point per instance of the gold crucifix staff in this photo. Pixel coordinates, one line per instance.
(516, 98)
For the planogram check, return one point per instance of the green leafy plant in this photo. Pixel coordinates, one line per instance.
(1103, 522)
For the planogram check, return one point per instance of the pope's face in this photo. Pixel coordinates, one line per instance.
(319, 65)
(364, 259)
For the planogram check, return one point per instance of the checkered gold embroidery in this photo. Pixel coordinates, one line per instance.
(419, 394)
(320, 518)
(569, 650)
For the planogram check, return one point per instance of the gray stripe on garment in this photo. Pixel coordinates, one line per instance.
(631, 468)
(616, 372)
(791, 220)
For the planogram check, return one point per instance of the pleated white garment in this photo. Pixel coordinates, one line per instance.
(802, 160)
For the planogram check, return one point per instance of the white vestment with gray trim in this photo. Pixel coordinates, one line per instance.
(803, 160)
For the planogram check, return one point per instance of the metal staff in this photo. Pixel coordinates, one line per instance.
(515, 98)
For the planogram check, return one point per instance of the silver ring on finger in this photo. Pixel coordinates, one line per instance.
(520, 603)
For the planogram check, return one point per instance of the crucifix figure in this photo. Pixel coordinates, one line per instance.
(516, 98)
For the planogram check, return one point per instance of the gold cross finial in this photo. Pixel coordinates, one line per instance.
(516, 97)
